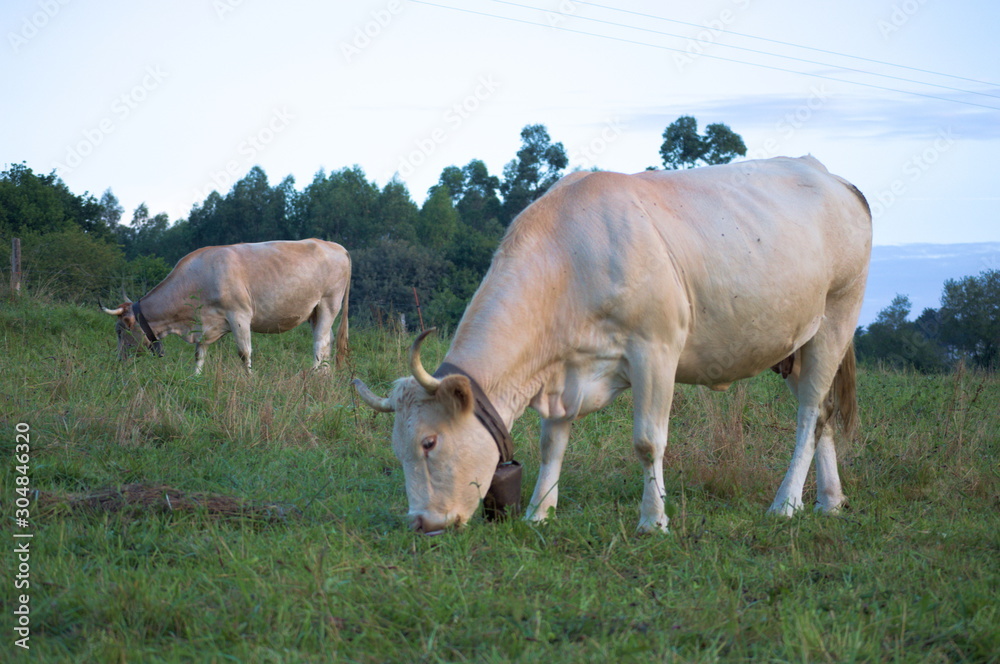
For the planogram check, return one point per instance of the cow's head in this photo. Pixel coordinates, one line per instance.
(129, 332)
(448, 457)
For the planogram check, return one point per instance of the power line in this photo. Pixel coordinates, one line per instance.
(784, 43)
(705, 55)
(749, 50)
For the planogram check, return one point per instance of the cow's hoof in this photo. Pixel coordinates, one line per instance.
(783, 509)
(831, 508)
(538, 514)
(651, 527)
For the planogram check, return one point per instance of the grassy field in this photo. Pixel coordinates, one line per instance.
(235, 519)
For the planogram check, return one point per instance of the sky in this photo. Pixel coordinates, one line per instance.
(164, 102)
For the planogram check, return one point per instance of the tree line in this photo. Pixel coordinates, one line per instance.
(78, 247)
(966, 328)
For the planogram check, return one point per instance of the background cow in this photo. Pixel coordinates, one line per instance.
(269, 287)
(612, 281)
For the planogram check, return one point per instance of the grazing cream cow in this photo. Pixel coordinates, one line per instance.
(612, 281)
(268, 287)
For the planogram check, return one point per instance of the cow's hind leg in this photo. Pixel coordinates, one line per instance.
(789, 497)
(829, 493)
(555, 436)
(322, 328)
(810, 382)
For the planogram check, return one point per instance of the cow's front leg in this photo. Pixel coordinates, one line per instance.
(650, 446)
(199, 356)
(653, 390)
(239, 325)
(555, 436)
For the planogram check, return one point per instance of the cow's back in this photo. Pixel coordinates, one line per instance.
(279, 283)
(737, 264)
(767, 250)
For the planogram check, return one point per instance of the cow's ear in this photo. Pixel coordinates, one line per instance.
(128, 318)
(455, 394)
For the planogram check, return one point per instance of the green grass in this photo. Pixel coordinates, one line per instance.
(909, 572)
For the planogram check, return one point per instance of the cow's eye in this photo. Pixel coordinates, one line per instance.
(429, 443)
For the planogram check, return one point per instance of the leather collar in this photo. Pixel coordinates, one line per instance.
(485, 412)
(143, 323)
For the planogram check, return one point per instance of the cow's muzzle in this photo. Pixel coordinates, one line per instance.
(424, 526)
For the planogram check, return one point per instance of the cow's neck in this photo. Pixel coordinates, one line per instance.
(505, 348)
(503, 385)
(170, 308)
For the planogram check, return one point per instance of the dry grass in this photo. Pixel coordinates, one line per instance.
(150, 417)
(727, 443)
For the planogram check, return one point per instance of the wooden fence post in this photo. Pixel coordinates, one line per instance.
(15, 266)
(419, 313)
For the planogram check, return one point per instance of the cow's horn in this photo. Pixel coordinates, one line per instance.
(427, 381)
(380, 404)
(124, 295)
(114, 312)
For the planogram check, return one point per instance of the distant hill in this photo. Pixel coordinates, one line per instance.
(920, 270)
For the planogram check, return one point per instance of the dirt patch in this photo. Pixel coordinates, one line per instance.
(159, 498)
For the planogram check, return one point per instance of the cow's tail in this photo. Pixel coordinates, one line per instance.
(342, 330)
(845, 394)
